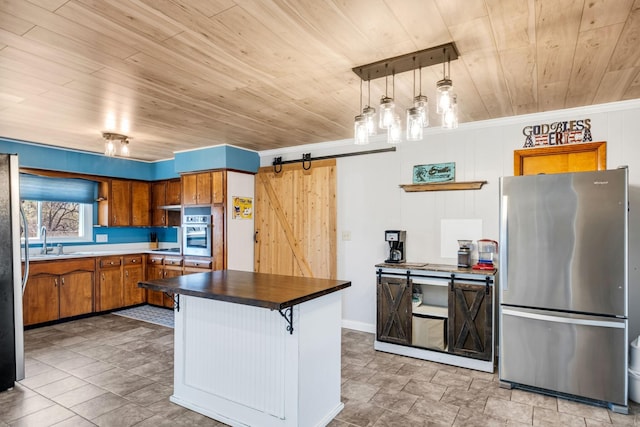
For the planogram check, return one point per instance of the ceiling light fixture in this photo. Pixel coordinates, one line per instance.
(387, 107)
(360, 131)
(418, 114)
(110, 140)
(414, 118)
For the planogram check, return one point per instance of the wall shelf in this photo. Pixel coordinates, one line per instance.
(443, 186)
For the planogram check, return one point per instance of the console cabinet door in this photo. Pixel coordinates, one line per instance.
(470, 319)
(394, 310)
(40, 299)
(76, 293)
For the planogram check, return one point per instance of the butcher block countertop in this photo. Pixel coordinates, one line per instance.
(271, 291)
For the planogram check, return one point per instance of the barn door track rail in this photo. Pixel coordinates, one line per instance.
(306, 158)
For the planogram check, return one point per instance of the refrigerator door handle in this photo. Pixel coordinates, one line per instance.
(502, 248)
(570, 320)
(25, 225)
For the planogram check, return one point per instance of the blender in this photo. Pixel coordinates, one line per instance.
(486, 251)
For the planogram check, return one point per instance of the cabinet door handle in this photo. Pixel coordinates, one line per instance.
(114, 220)
(162, 219)
(126, 273)
(55, 282)
(255, 237)
(62, 281)
(103, 278)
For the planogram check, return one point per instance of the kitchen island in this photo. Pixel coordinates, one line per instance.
(255, 348)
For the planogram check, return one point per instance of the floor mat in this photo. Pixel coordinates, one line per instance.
(149, 313)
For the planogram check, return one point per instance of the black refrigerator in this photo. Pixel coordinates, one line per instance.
(11, 277)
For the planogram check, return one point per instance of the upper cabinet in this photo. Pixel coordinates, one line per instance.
(174, 191)
(165, 193)
(124, 203)
(204, 188)
(196, 189)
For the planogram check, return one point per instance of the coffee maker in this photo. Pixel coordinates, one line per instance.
(396, 239)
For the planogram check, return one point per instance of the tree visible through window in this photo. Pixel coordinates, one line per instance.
(62, 219)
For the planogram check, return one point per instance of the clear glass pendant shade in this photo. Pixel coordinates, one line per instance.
(445, 87)
(450, 116)
(369, 114)
(414, 124)
(109, 148)
(124, 149)
(421, 103)
(387, 112)
(360, 131)
(394, 132)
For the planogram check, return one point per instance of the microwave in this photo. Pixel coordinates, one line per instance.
(196, 235)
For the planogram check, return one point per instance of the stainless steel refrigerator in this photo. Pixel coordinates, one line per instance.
(564, 285)
(11, 276)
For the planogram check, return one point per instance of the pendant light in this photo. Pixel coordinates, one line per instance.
(450, 116)
(360, 130)
(387, 107)
(110, 139)
(394, 133)
(414, 118)
(421, 102)
(445, 88)
(369, 113)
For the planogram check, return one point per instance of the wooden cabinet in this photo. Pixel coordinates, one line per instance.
(165, 193)
(158, 199)
(124, 203)
(174, 192)
(161, 267)
(120, 203)
(394, 310)
(110, 283)
(196, 189)
(140, 203)
(197, 265)
(470, 319)
(133, 272)
(58, 289)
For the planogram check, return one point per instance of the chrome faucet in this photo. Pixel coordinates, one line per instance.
(43, 233)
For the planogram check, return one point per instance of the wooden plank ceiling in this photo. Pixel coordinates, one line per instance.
(263, 74)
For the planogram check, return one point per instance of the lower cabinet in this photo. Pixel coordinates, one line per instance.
(471, 324)
(394, 310)
(133, 272)
(440, 315)
(57, 290)
(110, 283)
(162, 267)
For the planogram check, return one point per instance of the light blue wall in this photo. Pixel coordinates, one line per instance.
(220, 157)
(39, 156)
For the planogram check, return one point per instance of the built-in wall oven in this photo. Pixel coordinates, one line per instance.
(196, 235)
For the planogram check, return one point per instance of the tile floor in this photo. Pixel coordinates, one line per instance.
(114, 371)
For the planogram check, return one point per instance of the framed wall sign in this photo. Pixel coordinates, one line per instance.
(435, 172)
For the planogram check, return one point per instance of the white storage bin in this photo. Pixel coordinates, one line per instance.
(634, 355)
(634, 386)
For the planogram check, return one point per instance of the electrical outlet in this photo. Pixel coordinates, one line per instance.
(346, 236)
(102, 238)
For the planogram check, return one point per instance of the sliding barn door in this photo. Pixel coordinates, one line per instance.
(295, 220)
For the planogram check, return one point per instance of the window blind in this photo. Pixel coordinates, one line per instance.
(34, 187)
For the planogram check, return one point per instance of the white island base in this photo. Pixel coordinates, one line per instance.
(240, 365)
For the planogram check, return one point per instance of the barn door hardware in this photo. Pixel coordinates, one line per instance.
(306, 158)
